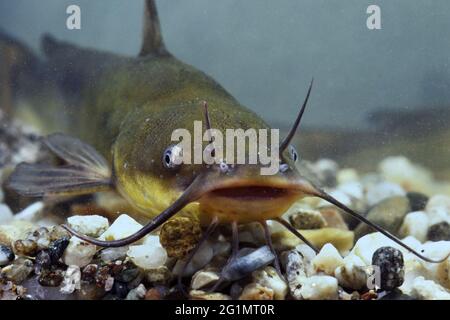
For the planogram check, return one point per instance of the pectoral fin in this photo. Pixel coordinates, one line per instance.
(85, 171)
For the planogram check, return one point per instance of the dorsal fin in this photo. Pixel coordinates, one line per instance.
(152, 42)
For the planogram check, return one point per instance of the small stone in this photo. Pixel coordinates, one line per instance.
(89, 291)
(340, 239)
(378, 192)
(31, 212)
(26, 248)
(58, 232)
(15, 230)
(333, 218)
(92, 226)
(409, 175)
(319, 288)
(354, 189)
(396, 294)
(128, 274)
(298, 266)
(306, 219)
(415, 224)
(156, 293)
(388, 214)
(113, 254)
(347, 175)
(88, 273)
(366, 246)
(42, 261)
(160, 275)
(204, 278)
(269, 278)
(56, 249)
(246, 264)
(109, 283)
(439, 232)
(6, 255)
(72, 280)
(78, 253)
(438, 201)
(256, 291)
(18, 271)
(149, 255)
(122, 227)
(6, 214)
(51, 278)
(202, 295)
(180, 235)
(137, 293)
(120, 289)
(327, 260)
(418, 201)
(326, 171)
(203, 256)
(352, 275)
(428, 290)
(390, 263)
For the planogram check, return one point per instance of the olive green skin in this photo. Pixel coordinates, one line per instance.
(128, 111)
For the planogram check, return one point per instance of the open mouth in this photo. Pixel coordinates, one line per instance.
(251, 192)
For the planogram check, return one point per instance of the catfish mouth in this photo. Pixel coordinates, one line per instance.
(251, 192)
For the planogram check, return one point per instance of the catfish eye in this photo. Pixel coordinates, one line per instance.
(172, 157)
(293, 154)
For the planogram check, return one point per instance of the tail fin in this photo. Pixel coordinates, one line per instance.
(18, 69)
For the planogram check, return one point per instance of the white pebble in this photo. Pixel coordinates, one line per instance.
(203, 278)
(328, 259)
(72, 280)
(203, 256)
(438, 214)
(79, 253)
(93, 225)
(438, 201)
(122, 227)
(347, 175)
(269, 278)
(352, 274)
(402, 171)
(319, 288)
(149, 255)
(415, 224)
(354, 189)
(382, 190)
(31, 212)
(428, 290)
(6, 214)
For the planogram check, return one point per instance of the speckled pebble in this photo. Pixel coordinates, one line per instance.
(180, 235)
(390, 263)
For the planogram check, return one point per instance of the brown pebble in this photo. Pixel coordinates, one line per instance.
(179, 236)
(333, 218)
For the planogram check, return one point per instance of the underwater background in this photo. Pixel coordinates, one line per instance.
(377, 92)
